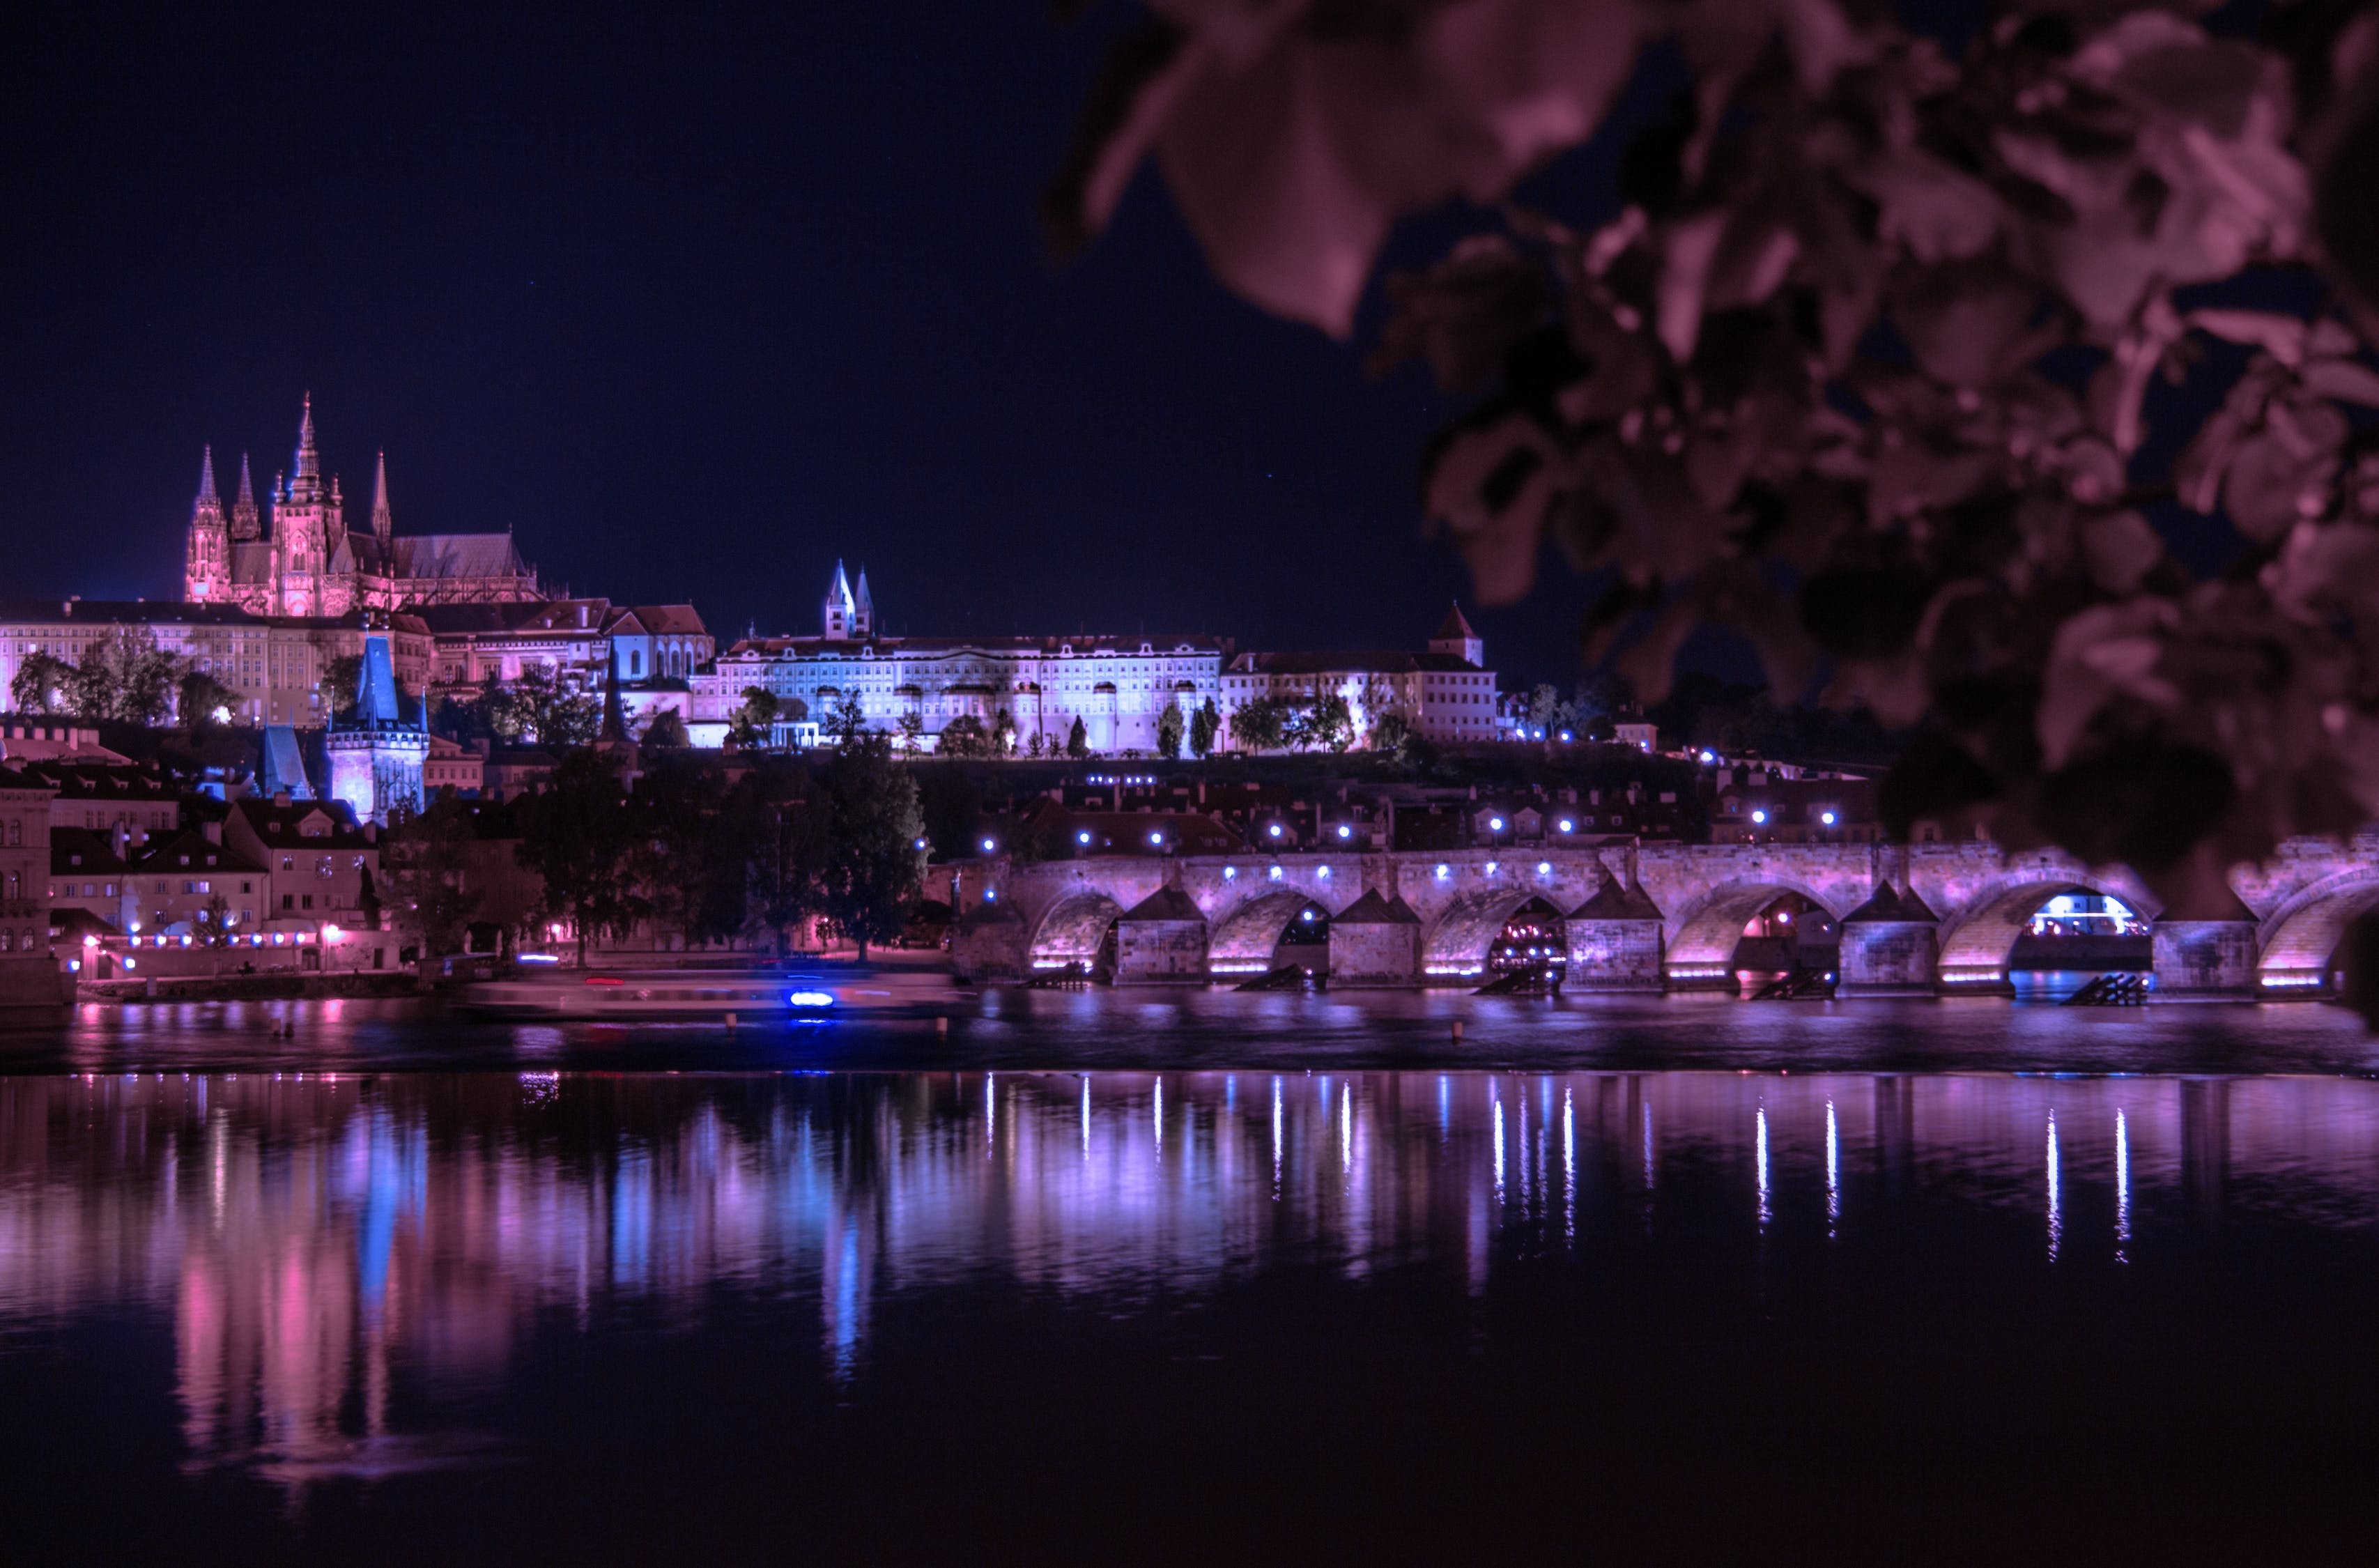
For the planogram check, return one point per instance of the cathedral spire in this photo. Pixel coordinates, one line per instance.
(243, 511)
(306, 477)
(382, 525)
(207, 496)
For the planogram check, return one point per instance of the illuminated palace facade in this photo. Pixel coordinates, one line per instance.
(308, 563)
(1119, 687)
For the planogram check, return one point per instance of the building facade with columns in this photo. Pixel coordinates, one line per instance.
(307, 562)
(1117, 686)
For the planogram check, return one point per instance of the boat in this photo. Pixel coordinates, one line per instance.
(816, 992)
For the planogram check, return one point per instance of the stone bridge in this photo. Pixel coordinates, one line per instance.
(1922, 918)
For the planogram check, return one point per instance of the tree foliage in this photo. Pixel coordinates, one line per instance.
(747, 725)
(1899, 364)
(1169, 732)
(539, 709)
(1262, 725)
(576, 834)
(425, 860)
(872, 867)
(1205, 726)
(41, 684)
(201, 700)
(666, 731)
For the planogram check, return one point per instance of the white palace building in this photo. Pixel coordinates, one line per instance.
(1118, 686)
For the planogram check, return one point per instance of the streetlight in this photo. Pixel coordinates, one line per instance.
(1759, 817)
(1083, 837)
(989, 845)
(1344, 831)
(1826, 817)
(1156, 839)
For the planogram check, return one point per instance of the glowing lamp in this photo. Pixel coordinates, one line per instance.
(1305, 915)
(989, 845)
(1567, 825)
(1156, 837)
(1544, 868)
(1759, 817)
(1443, 872)
(1494, 824)
(1230, 874)
(1826, 817)
(1083, 837)
(809, 999)
(1344, 831)
(91, 941)
(1273, 830)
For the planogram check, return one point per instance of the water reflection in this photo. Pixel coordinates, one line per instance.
(312, 1243)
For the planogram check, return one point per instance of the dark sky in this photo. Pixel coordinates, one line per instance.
(694, 303)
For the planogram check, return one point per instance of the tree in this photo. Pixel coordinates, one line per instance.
(213, 924)
(1078, 739)
(575, 836)
(665, 731)
(964, 737)
(845, 723)
(425, 859)
(1390, 732)
(912, 728)
(1034, 744)
(538, 709)
(747, 725)
(686, 858)
(1205, 726)
(785, 833)
(1863, 366)
(1169, 729)
(1329, 723)
(872, 866)
(1003, 734)
(125, 677)
(201, 700)
(342, 676)
(41, 684)
(1261, 725)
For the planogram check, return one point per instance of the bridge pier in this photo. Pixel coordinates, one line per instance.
(1616, 941)
(989, 942)
(2204, 961)
(1161, 941)
(1891, 947)
(1375, 944)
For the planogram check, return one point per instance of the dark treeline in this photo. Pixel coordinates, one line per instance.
(691, 848)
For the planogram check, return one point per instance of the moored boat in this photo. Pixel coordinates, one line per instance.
(818, 991)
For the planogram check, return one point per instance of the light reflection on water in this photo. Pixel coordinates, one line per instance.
(316, 1246)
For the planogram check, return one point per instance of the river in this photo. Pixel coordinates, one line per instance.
(1159, 1277)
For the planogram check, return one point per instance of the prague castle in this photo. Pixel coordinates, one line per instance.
(309, 563)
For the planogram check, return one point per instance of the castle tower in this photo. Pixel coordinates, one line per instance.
(840, 612)
(1455, 636)
(243, 525)
(306, 526)
(376, 760)
(206, 565)
(863, 611)
(383, 525)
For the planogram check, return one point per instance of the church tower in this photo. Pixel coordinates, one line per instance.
(383, 524)
(1455, 636)
(244, 524)
(306, 527)
(377, 758)
(206, 568)
(863, 611)
(840, 612)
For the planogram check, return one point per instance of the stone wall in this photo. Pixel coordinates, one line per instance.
(1157, 952)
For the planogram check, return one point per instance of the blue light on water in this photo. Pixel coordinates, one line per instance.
(809, 999)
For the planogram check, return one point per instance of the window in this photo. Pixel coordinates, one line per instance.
(162, 887)
(285, 863)
(288, 900)
(308, 902)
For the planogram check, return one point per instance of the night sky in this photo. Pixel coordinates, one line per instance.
(695, 305)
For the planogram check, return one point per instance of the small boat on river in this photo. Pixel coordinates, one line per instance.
(615, 995)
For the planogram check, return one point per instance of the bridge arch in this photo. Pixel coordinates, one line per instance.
(1244, 941)
(1978, 939)
(1460, 943)
(1072, 931)
(2300, 938)
(1707, 932)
